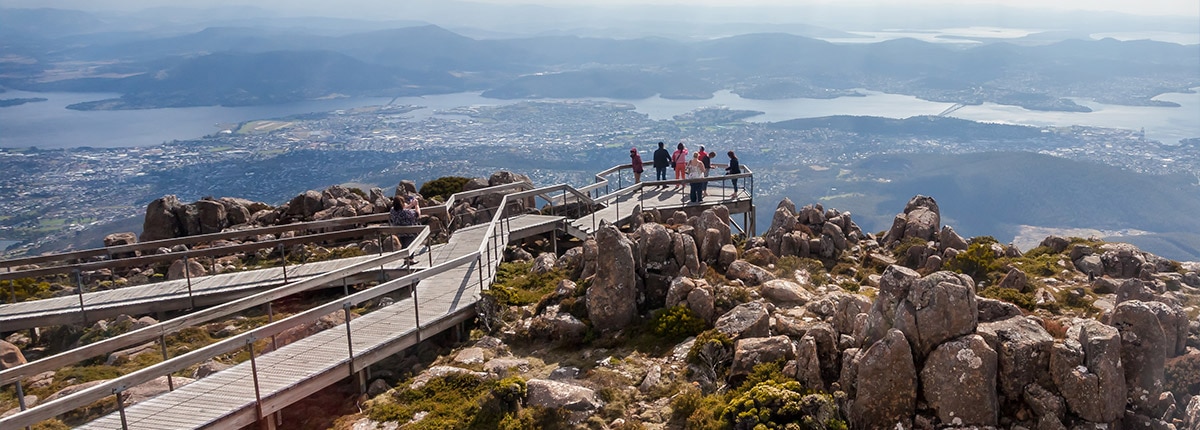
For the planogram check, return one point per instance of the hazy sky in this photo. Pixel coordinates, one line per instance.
(1140, 7)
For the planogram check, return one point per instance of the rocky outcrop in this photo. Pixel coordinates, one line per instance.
(1142, 353)
(750, 352)
(959, 382)
(1023, 351)
(921, 219)
(579, 402)
(928, 310)
(745, 321)
(1086, 368)
(612, 297)
(885, 385)
(160, 222)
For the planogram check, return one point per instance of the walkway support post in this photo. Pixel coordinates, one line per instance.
(258, 409)
(349, 340)
(121, 406)
(162, 343)
(79, 289)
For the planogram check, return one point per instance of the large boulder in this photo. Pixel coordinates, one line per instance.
(1122, 260)
(959, 382)
(929, 310)
(687, 257)
(305, 205)
(1174, 324)
(885, 385)
(579, 402)
(1142, 353)
(160, 222)
(612, 297)
(840, 309)
(177, 271)
(212, 216)
(753, 351)
(1086, 367)
(922, 219)
(654, 244)
(1023, 348)
(745, 321)
(785, 293)
(750, 274)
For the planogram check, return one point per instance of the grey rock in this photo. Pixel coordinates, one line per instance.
(959, 381)
(886, 384)
(750, 274)
(750, 352)
(612, 297)
(1016, 280)
(785, 293)
(1142, 353)
(1023, 349)
(1086, 367)
(160, 221)
(745, 321)
(995, 310)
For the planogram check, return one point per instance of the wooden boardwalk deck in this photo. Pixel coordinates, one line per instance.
(161, 296)
(656, 198)
(227, 398)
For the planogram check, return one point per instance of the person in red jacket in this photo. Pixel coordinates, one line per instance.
(637, 165)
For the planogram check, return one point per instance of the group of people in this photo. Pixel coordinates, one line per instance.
(697, 167)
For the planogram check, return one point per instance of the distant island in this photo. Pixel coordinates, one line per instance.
(20, 101)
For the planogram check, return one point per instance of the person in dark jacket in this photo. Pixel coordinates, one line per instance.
(733, 169)
(662, 160)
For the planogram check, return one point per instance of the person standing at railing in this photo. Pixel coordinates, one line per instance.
(679, 159)
(733, 169)
(695, 170)
(662, 159)
(405, 212)
(706, 158)
(637, 165)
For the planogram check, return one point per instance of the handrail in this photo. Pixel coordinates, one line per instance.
(204, 252)
(496, 227)
(152, 332)
(100, 391)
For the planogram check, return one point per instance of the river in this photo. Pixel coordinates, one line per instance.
(49, 124)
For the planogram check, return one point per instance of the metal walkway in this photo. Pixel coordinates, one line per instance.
(438, 298)
(227, 399)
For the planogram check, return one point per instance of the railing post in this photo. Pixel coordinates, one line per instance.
(258, 409)
(162, 343)
(479, 269)
(416, 308)
(271, 319)
(121, 406)
(21, 399)
(187, 273)
(79, 288)
(429, 249)
(349, 340)
(283, 259)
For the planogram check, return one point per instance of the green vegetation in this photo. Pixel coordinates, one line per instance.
(442, 188)
(1023, 300)
(516, 285)
(677, 322)
(767, 399)
(461, 401)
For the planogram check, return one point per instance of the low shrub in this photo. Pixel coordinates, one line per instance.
(516, 285)
(458, 400)
(1023, 300)
(677, 322)
(1182, 376)
(442, 188)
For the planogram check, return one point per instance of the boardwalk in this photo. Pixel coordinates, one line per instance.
(227, 399)
(438, 298)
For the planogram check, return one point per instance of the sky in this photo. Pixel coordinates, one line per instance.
(1139, 7)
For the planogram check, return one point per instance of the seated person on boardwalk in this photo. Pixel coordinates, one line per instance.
(405, 212)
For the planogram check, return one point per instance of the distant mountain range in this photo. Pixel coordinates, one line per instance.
(263, 65)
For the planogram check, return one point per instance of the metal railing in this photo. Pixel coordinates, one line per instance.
(485, 258)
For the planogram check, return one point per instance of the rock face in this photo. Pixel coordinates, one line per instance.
(1023, 350)
(921, 219)
(1086, 367)
(1142, 353)
(160, 222)
(886, 385)
(959, 382)
(612, 297)
(748, 273)
(929, 310)
(749, 352)
(745, 321)
(10, 356)
(580, 402)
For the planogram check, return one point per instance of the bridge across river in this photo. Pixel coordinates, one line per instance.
(439, 295)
